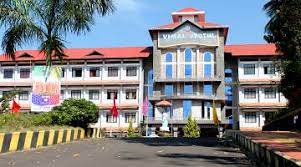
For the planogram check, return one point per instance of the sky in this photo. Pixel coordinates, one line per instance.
(129, 24)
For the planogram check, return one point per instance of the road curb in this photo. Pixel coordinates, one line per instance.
(265, 156)
(17, 141)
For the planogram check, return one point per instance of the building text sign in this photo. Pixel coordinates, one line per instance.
(188, 34)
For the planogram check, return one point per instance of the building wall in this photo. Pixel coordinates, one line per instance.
(102, 83)
(259, 79)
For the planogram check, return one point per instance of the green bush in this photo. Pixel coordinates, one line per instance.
(131, 131)
(42, 119)
(191, 129)
(75, 112)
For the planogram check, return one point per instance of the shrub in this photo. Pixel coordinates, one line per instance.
(191, 129)
(131, 131)
(42, 119)
(75, 112)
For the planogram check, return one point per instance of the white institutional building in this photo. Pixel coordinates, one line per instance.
(189, 67)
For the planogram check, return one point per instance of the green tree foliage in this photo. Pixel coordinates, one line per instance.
(131, 130)
(75, 112)
(284, 30)
(5, 99)
(191, 129)
(47, 22)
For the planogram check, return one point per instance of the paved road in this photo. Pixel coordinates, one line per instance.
(130, 153)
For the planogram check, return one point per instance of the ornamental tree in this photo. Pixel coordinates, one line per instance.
(191, 129)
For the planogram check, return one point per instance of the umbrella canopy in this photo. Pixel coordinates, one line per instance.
(163, 103)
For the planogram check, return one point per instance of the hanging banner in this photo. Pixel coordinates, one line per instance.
(46, 88)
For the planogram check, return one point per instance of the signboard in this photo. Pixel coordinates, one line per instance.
(188, 34)
(46, 88)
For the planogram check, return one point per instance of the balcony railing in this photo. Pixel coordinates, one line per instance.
(193, 96)
(190, 79)
(181, 120)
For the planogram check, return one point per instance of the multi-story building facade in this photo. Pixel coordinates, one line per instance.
(94, 74)
(187, 70)
(256, 85)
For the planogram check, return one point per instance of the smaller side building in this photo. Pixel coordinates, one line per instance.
(257, 94)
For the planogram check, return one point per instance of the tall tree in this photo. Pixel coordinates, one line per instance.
(47, 22)
(284, 29)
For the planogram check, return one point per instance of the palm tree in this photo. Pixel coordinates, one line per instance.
(47, 22)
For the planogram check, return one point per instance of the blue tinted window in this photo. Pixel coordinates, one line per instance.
(229, 98)
(168, 57)
(188, 70)
(168, 71)
(228, 90)
(228, 79)
(228, 71)
(188, 89)
(188, 55)
(169, 90)
(207, 57)
(207, 70)
(208, 89)
(186, 108)
(150, 110)
(150, 82)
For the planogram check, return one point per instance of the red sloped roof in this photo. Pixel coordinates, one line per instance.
(202, 24)
(85, 53)
(189, 9)
(252, 50)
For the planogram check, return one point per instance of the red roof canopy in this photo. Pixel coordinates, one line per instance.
(252, 50)
(189, 9)
(87, 53)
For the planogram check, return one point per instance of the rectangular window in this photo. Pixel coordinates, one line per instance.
(168, 71)
(188, 89)
(250, 93)
(187, 104)
(93, 94)
(269, 69)
(76, 94)
(25, 73)
(130, 117)
(131, 71)
(113, 71)
(94, 72)
(168, 89)
(24, 95)
(131, 94)
(63, 73)
(5, 93)
(188, 70)
(249, 69)
(111, 94)
(270, 93)
(8, 73)
(111, 119)
(77, 72)
(207, 70)
(208, 90)
(62, 95)
(250, 117)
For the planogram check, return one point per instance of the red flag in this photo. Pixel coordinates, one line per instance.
(16, 107)
(114, 108)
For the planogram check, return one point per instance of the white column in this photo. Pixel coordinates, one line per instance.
(178, 62)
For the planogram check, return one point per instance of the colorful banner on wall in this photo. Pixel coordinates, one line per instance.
(46, 88)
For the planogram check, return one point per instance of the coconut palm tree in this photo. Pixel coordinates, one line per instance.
(47, 22)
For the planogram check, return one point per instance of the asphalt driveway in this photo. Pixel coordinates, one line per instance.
(130, 153)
